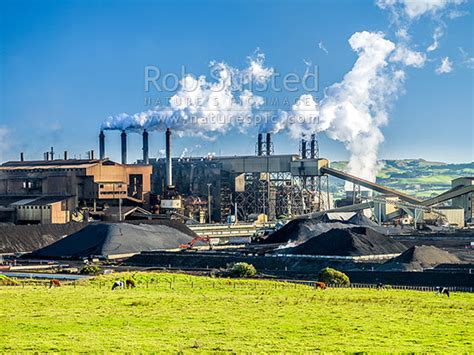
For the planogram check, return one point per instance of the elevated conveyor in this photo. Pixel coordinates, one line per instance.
(370, 185)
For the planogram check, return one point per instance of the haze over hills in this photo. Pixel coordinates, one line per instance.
(416, 177)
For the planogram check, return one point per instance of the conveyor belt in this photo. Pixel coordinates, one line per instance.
(370, 185)
(448, 195)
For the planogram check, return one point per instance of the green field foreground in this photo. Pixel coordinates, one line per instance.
(172, 313)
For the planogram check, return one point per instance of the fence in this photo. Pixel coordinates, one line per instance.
(237, 284)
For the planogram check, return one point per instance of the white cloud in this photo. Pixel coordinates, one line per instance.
(466, 60)
(321, 46)
(417, 8)
(445, 66)
(408, 57)
(437, 34)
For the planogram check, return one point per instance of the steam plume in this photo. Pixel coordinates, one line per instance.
(201, 107)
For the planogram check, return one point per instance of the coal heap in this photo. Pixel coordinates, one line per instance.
(106, 239)
(420, 257)
(302, 229)
(352, 241)
(26, 238)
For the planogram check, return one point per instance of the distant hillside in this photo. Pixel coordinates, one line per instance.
(416, 177)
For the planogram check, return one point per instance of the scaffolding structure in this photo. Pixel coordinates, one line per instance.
(283, 193)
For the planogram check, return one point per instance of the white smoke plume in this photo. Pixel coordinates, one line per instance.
(201, 107)
(353, 110)
(5, 142)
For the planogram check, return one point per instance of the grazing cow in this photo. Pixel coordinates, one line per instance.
(130, 283)
(320, 285)
(442, 291)
(117, 284)
(54, 283)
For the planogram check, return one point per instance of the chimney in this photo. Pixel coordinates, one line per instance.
(124, 147)
(269, 144)
(92, 154)
(169, 168)
(22, 157)
(52, 153)
(314, 148)
(303, 148)
(101, 145)
(46, 155)
(65, 155)
(145, 147)
(259, 144)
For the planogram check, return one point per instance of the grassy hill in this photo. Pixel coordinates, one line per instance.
(416, 177)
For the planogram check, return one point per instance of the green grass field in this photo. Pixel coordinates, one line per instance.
(173, 313)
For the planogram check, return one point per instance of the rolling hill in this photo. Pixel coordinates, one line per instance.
(416, 177)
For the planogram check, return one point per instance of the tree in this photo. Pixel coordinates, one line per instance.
(334, 277)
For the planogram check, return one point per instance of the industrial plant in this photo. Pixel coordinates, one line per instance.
(212, 189)
(272, 210)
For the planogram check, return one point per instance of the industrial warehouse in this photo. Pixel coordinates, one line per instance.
(275, 211)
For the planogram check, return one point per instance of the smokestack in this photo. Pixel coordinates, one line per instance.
(312, 146)
(52, 153)
(101, 145)
(259, 144)
(303, 148)
(269, 144)
(22, 157)
(65, 155)
(145, 147)
(92, 154)
(169, 168)
(124, 147)
(46, 155)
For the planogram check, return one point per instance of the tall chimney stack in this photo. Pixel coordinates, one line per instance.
(259, 144)
(92, 154)
(52, 153)
(269, 144)
(145, 147)
(22, 157)
(65, 155)
(101, 145)
(169, 168)
(124, 147)
(303, 148)
(313, 146)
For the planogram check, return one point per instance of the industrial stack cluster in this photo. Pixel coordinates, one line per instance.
(212, 189)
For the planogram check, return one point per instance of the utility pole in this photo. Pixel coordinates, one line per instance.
(209, 202)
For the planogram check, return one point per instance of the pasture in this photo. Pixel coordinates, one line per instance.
(173, 313)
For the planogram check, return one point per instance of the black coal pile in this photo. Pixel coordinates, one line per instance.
(302, 229)
(108, 239)
(26, 238)
(353, 241)
(420, 257)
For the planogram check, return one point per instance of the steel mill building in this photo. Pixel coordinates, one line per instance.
(59, 190)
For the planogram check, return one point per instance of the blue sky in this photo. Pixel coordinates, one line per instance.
(68, 65)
